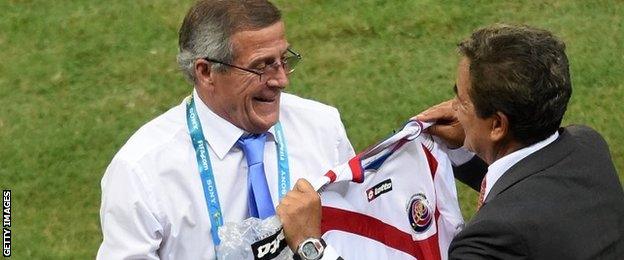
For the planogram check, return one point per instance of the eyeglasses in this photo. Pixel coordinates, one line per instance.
(456, 104)
(288, 63)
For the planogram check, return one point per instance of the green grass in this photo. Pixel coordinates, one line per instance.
(77, 78)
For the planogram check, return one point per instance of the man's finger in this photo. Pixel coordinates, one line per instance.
(440, 130)
(439, 112)
(293, 197)
(452, 135)
(303, 185)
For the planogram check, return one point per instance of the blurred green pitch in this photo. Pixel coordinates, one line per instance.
(77, 78)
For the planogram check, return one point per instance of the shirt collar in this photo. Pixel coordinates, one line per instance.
(500, 166)
(220, 134)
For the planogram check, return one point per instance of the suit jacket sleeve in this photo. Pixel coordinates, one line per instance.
(490, 239)
(471, 173)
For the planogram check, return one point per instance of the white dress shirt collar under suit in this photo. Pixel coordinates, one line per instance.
(500, 166)
(496, 170)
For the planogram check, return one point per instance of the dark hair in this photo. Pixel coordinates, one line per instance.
(209, 24)
(521, 72)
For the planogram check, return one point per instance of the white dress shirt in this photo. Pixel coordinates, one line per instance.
(153, 204)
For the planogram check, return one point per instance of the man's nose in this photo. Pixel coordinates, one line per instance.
(279, 78)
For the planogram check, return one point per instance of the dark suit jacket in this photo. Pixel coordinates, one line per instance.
(563, 202)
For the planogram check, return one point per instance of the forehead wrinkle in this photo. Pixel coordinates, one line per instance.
(255, 52)
(249, 41)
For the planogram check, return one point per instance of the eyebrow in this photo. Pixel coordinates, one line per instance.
(259, 60)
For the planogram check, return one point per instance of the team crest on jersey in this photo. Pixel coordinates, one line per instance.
(377, 190)
(419, 213)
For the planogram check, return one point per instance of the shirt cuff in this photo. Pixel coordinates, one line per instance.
(459, 156)
(330, 254)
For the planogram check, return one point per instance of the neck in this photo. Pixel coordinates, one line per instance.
(205, 98)
(501, 149)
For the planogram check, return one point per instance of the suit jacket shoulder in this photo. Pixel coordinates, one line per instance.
(562, 202)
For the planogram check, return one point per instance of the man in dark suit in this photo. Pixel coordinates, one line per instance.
(545, 192)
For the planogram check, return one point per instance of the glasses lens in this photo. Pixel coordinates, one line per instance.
(290, 63)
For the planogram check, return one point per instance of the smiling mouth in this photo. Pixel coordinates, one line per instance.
(262, 99)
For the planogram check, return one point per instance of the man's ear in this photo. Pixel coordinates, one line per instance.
(499, 128)
(203, 74)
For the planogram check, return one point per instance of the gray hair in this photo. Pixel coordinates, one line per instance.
(209, 24)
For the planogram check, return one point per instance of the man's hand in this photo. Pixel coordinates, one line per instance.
(300, 213)
(446, 126)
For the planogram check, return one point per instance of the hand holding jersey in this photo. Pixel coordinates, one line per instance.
(304, 200)
(300, 213)
(400, 204)
(397, 199)
(446, 126)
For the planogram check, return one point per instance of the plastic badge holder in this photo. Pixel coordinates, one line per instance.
(253, 239)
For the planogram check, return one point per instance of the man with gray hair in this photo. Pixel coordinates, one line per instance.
(229, 151)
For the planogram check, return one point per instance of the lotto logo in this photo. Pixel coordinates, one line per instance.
(377, 190)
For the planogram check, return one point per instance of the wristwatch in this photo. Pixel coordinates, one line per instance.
(311, 249)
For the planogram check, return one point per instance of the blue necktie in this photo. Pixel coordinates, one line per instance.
(260, 203)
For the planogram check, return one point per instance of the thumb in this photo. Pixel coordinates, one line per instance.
(303, 185)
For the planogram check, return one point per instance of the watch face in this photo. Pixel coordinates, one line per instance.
(309, 250)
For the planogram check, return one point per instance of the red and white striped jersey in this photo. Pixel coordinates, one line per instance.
(400, 203)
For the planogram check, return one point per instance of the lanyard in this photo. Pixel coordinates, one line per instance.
(207, 176)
